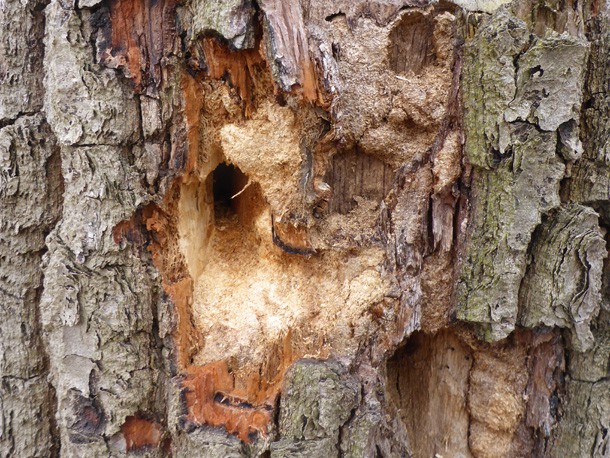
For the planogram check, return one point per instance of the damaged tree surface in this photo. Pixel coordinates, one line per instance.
(304, 228)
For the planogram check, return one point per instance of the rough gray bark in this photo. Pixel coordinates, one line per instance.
(30, 204)
(515, 103)
(405, 253)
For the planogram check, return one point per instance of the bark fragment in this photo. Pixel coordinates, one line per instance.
(563, 283)
(317, 401)
(85, 103)
(21, 65)
(506, 84)
(233, 20)
(30, 203)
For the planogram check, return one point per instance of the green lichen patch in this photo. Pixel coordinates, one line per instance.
(522, 96)
(317, 400)
(507, 206)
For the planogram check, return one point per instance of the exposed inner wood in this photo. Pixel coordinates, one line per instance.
(247, 307)
(304, 228)
(412, 47)
(460, 397)
(354, 174)
(258, 278)
(142, 32)
(212, 400)
(139, 433)
(237, 66)
(429, 380)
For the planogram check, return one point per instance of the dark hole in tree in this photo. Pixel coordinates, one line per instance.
(228, 181)
(536, 71)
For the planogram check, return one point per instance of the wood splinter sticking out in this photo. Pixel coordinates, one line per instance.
(228, 184)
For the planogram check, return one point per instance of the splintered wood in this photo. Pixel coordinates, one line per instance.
(269, 239)
(142, 32)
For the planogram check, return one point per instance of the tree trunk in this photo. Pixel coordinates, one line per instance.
(304, 228)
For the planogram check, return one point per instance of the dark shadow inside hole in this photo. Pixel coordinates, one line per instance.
(536, 71)
(228, 181)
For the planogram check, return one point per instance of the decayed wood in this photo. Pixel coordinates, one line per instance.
(304, 228)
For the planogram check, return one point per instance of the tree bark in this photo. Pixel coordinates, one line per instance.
(304, 228)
